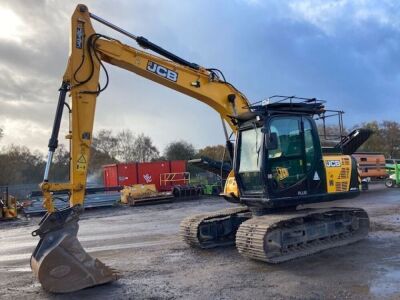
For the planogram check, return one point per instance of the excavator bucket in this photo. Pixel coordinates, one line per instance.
(59, 261)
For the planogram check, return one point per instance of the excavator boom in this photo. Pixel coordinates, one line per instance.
(59, 261)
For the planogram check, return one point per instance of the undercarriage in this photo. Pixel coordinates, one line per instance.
(215, 229)
(276, 237)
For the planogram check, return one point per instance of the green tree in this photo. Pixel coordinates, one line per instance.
(179, 150)
(217, 152)
(390, 132)
(376, 142)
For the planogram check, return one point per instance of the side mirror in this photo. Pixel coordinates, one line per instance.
(272, 141)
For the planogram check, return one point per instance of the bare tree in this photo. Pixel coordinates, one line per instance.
(19, 165)
(60, 168)
(126, 146)
(330, 135)
(106, 143)
(96, 162)
(385, 138)
(144, 149)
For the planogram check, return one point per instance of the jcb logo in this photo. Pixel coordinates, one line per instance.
(333, 163)
(79, 36)
(162, 71)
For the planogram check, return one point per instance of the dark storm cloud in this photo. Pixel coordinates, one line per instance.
(346, 54)
(23, 87)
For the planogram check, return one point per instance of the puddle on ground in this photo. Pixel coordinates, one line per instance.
(386, 285)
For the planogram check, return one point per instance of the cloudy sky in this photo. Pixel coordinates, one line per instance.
(346, 52)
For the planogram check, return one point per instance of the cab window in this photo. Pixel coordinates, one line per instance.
(286, 162)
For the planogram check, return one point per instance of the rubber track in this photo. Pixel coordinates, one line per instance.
(189, 226)
(251, 233)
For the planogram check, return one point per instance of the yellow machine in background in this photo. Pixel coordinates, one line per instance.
(143, 193)
(8, 206)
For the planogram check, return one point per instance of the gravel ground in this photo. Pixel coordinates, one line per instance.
(143, 243)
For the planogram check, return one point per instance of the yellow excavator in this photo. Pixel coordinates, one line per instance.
(278, 164)
(8, 205)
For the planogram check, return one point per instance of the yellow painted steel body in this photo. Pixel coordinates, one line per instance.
(10, 209)
(231, 187)
(338, 170)
(338, 173)
(137, 191)
(198, 84)
(59, 261)
(60, 248)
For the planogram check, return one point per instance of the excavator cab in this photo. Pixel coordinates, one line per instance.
(279, 160)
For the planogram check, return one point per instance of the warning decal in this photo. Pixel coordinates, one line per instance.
(81, 163)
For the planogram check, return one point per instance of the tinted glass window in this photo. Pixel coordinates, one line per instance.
(250, 147)
(289, 140)
(286, 162)
(250, 159)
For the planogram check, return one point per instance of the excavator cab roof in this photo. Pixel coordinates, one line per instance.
(283, 105)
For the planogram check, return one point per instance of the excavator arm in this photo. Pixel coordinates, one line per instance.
(88, 52)
(59, 261)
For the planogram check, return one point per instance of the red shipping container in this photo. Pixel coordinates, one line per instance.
(120, 174)
(110, 175)
(142, 173)
(179, 166)
(127, 174)
(149, 173)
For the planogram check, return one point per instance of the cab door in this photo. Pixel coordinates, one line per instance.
(291, 166)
